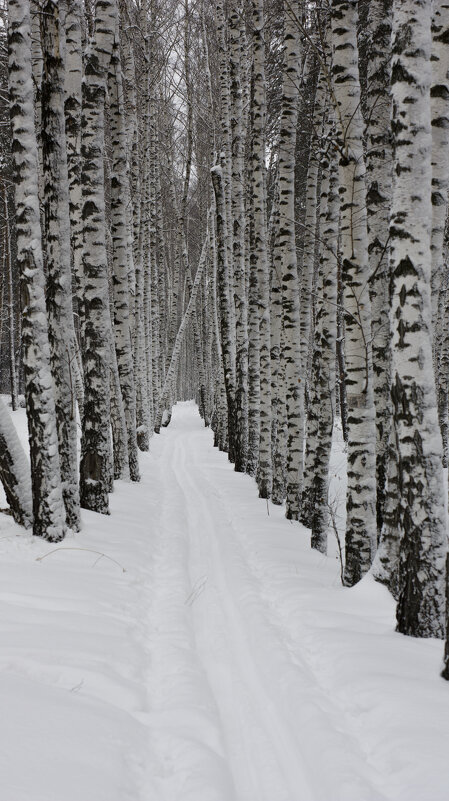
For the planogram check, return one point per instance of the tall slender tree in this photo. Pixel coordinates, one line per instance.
(48, 507)
(422, 521)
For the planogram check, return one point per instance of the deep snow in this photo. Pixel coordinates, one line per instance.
(209, 655)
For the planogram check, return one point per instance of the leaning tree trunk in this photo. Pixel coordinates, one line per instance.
(361, 532)
(11, 307)
(95, 447)
(180, 338)
(48, 506)
(422, 519)
(57, 239)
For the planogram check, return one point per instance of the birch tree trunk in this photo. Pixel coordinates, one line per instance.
(180, 338)
(259, 254)
(361, 532)
(48, 506)
(278, 401)
(287, 247)
(72, 107)
(439, 107)
(422, 523)
(238, 233)
(57, 239)
(326, 379)
(11, 309)
(224, 304)
(94, 471)
(378, 198)
(122, 258)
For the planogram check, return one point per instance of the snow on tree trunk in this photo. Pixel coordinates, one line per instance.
(15, 471)
(11, 308)
(48, 506)
(422, 519)
(361, 531)
(57, 239)
(94, 471)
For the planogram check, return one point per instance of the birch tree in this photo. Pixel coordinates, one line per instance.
(57, 240)
(122, 258)
(287, 253)
(238, 234)
(95, 444)
(422, 521)
(259, 253)
(361, 532)
(73, 77)
(48, 506)
(378, 198)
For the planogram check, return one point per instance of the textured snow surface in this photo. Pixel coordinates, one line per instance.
(225, 664)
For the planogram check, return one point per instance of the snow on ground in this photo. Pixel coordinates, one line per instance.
(208, 655)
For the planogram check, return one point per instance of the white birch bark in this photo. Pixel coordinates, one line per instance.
(439, 106)
(325, 357)
(224, 303)
(259, 253)
(361, 532)
(422, 523)
(95, 445)
(287, 246)
(72, 107)
(57, 239)
(439, 109)
(121, 258)
(48, 506)
(378, 198)
(11, 308)
(238, 233)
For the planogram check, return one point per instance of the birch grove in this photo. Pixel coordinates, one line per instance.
(243, 204)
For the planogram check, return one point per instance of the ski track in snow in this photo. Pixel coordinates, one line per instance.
(226, 664)
(265, 699)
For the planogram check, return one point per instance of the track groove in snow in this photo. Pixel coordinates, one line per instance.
(226, 664)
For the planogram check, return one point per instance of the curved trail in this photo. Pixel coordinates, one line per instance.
(236, 710)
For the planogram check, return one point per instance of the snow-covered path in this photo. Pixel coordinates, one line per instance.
(225, 664)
